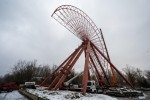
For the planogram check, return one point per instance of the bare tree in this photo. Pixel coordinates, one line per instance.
(1, 79)
(24, 71)
(140, 77)
(148, 75)
(130, 74)
(42, 71)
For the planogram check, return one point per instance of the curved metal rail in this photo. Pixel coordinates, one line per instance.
(80, 24)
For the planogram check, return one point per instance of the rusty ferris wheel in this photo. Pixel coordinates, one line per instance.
(93, 45)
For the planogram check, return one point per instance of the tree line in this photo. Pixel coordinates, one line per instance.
(137, 77)
(24, 71)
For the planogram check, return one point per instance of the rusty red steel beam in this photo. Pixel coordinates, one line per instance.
(89, 65)
(89, 77)
(85, 74)
(56, 80)
(101, 66)
(68, 70)
(60, 74)
(114, 80)
(50, 75)
(93, 66)
(99, 76)
(112, 65)
(92, 70)
(105, 45)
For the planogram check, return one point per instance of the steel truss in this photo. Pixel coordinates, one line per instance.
(96, 54)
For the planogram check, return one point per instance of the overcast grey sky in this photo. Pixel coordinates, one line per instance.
(28, 32)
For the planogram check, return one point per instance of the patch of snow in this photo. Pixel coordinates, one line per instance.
(142, 97)
(14, 95)
(67, 95)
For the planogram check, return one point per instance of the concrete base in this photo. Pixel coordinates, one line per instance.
(30, 96)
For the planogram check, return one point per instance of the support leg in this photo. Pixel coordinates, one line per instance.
(55, 81)
(101, 66)
(85, 74)
(68, 70)
(112, 65)
(50, 75)
(99, 76)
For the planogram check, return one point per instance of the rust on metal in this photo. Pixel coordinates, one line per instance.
(93, 44)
